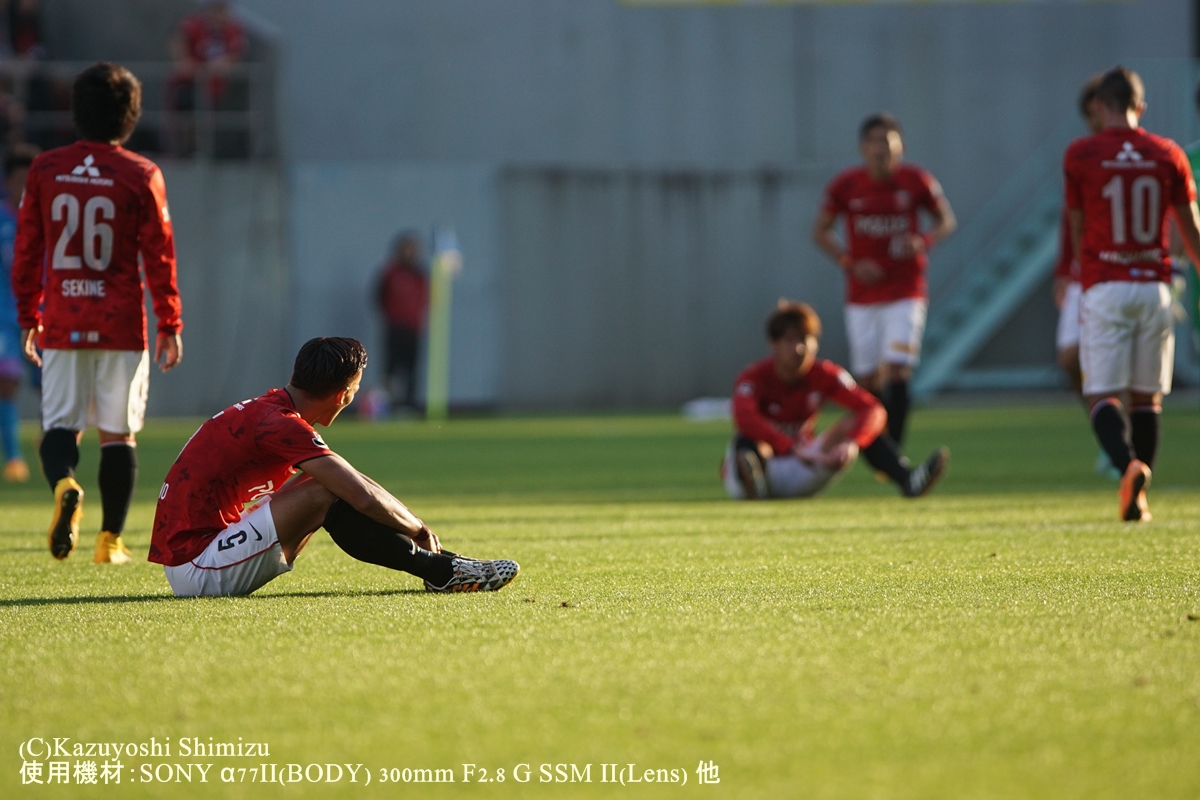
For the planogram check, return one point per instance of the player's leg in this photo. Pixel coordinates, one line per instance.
(1067, 337)
(122, 383)
(15, 468)
(864, 334)
(743, 470)
(67, 384)
(903, 327)
(1153, 367)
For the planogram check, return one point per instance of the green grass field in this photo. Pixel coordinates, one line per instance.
(1005, 637)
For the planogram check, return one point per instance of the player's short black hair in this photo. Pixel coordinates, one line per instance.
(20, 156)
(326, 364)
(1121, 89)
(790, 314)
(1088, 94)
(106, 102)
(881, 120)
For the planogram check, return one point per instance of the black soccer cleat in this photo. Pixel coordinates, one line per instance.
(751, 474)
(927, 473)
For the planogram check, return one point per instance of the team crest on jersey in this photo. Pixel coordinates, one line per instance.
(319, 442)
(903, 198)
(814, 400)
(745, 389)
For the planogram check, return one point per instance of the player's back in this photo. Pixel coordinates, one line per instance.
(89, 209)
(1125, 181)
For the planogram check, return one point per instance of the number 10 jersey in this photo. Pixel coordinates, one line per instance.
(89, 210)
(1125, 181)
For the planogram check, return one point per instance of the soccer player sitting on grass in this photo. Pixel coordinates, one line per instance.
(229, 519)
(775, 405)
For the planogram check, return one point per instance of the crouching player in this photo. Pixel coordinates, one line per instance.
(229, 519)
(775, 405)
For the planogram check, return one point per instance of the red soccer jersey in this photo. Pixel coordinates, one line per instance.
(404, 295)
(88, 212)
(1126, 181)
(1067, 265)
(239, 456)
(767, 409)
(877, 212)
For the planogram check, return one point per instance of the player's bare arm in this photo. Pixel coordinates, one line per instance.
(1187, 222)
(368, 497)
(944, 224)
(863, 269)
(1075, 218)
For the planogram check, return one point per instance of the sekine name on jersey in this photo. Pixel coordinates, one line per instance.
(65, 747)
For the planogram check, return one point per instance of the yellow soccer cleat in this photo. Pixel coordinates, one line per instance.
(16, 470)
(111, 550)
(68, 511)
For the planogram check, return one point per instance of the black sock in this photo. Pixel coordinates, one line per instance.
(60, 455)
(1112, 430)
(375, 543)
(895, 402)
(885, 456)
(118, 479)
(1143, 426)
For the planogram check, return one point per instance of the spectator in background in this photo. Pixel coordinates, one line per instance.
(207, 43)
(12, 360)
(25, 29)
(403, 297)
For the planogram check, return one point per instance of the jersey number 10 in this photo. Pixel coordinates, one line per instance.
(1145, 222)
(97, 235)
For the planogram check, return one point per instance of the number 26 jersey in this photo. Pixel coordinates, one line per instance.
(89, 211)
(1125, 181)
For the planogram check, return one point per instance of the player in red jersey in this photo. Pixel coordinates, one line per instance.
(1067, 289)
(884, 259)
(775, 452)
(1120, 185)
(93, 216)
(229, 519)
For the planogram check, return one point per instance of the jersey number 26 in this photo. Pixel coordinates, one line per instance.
(97, 236)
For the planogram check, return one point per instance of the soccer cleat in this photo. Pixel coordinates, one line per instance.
(922, 478)
(1132, 493)
(68, 511)
(111, 550)
(16, 470)
(750, 474)
(477, 576)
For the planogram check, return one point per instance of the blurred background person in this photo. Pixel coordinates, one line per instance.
(12, 360)
(402, 294)
(205, 45)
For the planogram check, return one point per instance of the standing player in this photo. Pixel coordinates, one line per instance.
(229, 520)
(775, 405)
(1067, 289)
(91, 212)
(1120, 185)
(12, 359)
(884, 259)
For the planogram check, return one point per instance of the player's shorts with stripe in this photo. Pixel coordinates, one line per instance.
(885, 333)
(1068, 317)
(1127, 337)
(787, 476)
(95, 388)
(244, 557)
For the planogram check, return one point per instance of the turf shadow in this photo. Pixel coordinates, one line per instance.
(154, 598)
(70, 601)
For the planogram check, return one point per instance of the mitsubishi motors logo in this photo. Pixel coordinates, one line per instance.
(87, 168)
(1127, 153)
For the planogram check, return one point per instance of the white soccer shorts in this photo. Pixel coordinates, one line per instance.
(1068, 317)
(95, 388)
(244, 557)
(1127, 337)
(787, 476)
(885, 333)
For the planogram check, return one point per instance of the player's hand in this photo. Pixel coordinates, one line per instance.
(168, 351)
(427, 539)
(841, 454)
(29, 344)
(809, 452)
(866, 271)
(1060, 292)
